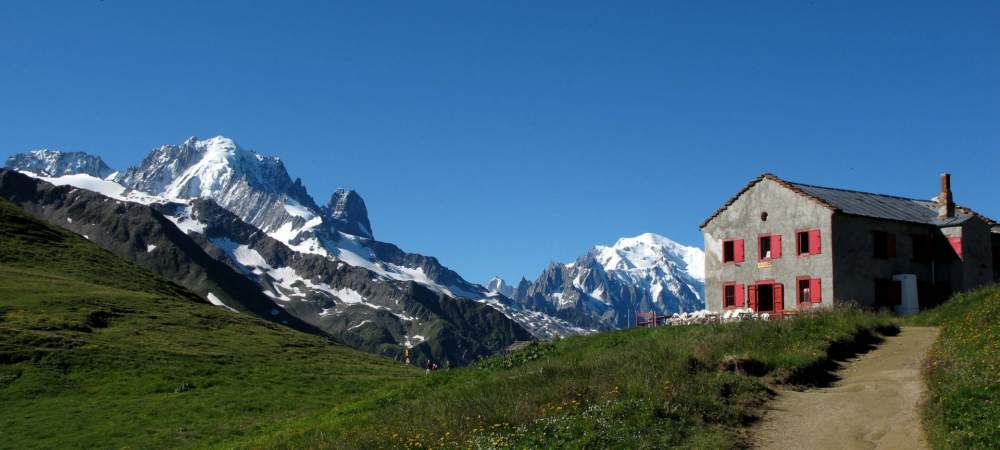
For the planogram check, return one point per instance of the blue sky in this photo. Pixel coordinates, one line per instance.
(499, 136)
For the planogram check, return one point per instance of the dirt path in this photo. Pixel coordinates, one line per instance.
(873, 406)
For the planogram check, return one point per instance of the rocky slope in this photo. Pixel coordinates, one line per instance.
(53, 163)
(141, 234)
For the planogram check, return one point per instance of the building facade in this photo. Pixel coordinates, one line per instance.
(778, 246)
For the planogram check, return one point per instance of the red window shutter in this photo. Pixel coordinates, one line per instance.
(775, 246)
(779, 297)
(814, 246)
(956, 245)
(752, 294)
(890, 244)
(739, 295)
(815, 291)
(738, 250)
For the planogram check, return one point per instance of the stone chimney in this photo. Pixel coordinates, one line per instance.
(946, 205)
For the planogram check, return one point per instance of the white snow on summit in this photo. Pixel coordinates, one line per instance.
(649, 251)
(655, 264)
(497, 284)
(104, 187)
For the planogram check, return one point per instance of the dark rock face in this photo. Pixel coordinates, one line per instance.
(349, 214)
(52, 163)
(325, 293)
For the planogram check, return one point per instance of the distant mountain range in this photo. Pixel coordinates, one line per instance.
(606, 287)
(232, 225)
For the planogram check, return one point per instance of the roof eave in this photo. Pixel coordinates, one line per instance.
(752, 183)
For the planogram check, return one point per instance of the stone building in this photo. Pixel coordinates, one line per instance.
(778, 246)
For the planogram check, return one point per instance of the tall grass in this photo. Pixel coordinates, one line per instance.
(963, 372)
(694, 386)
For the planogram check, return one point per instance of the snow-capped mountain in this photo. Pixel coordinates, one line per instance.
(319, 263)
(606, 287)
(498, 285)
(255, 187)
(52, 163)
(259, 191)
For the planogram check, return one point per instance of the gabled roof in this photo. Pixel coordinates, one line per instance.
(880, 206)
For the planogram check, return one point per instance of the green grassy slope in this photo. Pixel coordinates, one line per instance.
(963, 372)
(640, 388)
(96, 352)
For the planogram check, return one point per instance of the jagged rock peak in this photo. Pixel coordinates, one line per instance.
(497, 284)
(55, 163)
(348, 211)
(200, 167)
(255, 187)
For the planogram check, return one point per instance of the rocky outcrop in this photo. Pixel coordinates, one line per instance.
(54, 163)
(348, 212)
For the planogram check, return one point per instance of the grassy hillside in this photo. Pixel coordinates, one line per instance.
(963, 372)
(694, 387)
(96, 352)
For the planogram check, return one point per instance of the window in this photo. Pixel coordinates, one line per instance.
(884, 244)
(807, 242)
(808, 290)
(923, 248)
(770, 247)
(732, 250)
(803, 290)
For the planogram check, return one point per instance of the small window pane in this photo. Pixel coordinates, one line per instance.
(730, 295)
(765, 247)
(803, 291)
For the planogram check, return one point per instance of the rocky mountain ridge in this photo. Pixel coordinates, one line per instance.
(220, 194)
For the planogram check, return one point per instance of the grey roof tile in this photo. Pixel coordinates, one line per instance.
(880, 206)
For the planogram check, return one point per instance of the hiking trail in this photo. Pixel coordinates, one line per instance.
(874, 404)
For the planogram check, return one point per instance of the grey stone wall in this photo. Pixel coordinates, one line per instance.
(787, 212)
(856, 267)
(855, 264)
